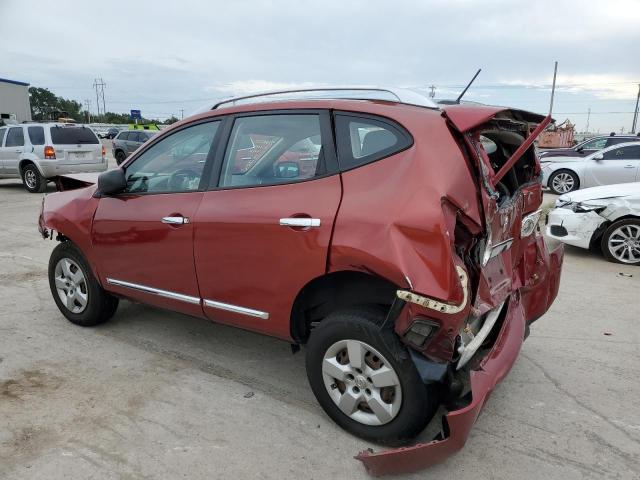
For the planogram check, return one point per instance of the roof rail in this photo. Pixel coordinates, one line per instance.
(401, 95)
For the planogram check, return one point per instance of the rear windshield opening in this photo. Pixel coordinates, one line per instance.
(73, 136)
(499, 144)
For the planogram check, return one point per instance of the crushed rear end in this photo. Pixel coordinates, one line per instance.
(508, 276)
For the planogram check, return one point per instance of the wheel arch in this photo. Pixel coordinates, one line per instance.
(565, 169)
(26, 161)
(333, 291)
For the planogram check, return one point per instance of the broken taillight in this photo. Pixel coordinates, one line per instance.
(49, 153)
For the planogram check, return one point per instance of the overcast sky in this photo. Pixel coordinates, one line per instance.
(162, 57)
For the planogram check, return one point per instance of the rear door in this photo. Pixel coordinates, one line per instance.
(75, 145)
(618, 165)
(263, 231)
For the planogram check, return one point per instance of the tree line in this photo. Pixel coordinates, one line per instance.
(45, 105)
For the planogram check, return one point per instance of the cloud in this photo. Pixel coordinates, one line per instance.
(248, 87)
(603, 86)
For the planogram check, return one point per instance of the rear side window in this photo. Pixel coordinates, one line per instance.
(3, 131)
(15, 137)
(36, 135)
(72, 136)
(363, 140)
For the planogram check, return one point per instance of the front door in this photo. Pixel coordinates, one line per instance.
(617, 165)
(264, 231)
(12, 150)
(143, 237)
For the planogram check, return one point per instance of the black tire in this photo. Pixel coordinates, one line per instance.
(613, 230)
(419, 402)
(120, 157)
(100, 306)
(566, 173)
(32, 180)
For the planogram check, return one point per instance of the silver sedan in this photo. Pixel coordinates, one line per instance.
(616, 164)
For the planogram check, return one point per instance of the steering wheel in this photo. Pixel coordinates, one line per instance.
(180, 179)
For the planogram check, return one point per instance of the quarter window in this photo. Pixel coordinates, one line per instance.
(15, 137)
(273, 149)
(36, 135)
(363, 140)
(3, 131)
(175, 163)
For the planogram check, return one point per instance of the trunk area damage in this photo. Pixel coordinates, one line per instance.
(508, 279)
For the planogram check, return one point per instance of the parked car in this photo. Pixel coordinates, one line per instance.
(616, 164)
(608, 217)
(112, 133)
(128, 142)
(37, 152)
(397, 252)
(102, 132)
(589, 146)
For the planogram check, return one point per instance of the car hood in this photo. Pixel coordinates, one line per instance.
(605, 191)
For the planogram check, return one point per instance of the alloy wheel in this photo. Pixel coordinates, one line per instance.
(563, 182)
(624, 243)
(30, 178)
(361, 382)
(71, 285)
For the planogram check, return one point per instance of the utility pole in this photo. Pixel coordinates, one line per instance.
(99, 86)
(635, 112)
(432, 93)
(181, 113)
(586, 129)
(88, 104)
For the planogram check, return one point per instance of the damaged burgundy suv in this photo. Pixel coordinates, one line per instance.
(395, 239)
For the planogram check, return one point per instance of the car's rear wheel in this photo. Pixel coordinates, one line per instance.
(32, 180)
(621, 242)
(564, 181)
(120, 157)
(364, 378)
(75, 290)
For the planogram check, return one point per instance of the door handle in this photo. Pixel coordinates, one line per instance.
(629, 166)
(175, 220)
(300, 222)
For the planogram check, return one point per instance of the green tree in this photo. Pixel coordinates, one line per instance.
(170, 120)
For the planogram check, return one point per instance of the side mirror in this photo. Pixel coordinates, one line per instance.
(580, 149)
(287, 170)
(598, 157)
(111, 182)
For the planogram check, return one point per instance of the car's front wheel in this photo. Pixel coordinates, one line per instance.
(365, 380)
(75, 289)
(32, 180)
(564, 181)
(621, 242)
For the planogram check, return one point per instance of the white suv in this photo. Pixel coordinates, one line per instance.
(36, 152)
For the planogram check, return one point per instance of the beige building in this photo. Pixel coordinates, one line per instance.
(14, 100)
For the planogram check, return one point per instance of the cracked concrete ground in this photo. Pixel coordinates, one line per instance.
(154, 394)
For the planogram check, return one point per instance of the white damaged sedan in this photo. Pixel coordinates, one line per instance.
(607, 215)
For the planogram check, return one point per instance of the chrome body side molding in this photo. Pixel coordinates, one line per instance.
(236, 309)
(155, 291)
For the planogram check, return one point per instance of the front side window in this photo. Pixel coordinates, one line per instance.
(123, 136)
(15, 137)
(273, 149)
(175, 163)
(36, 135)
(623, 153)
(363, 140)
(595, 144)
